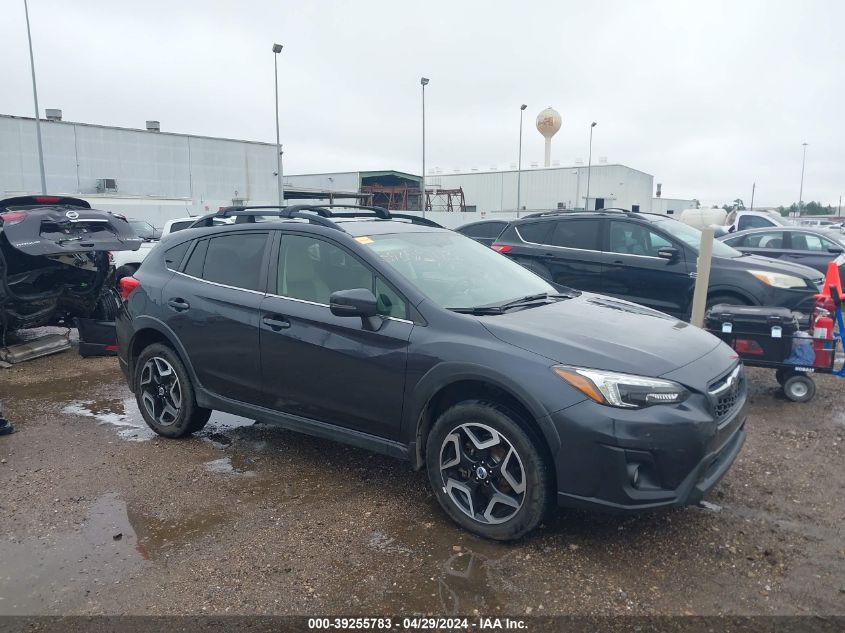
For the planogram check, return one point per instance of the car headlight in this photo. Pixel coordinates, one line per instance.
(779, 280)
(621, 390)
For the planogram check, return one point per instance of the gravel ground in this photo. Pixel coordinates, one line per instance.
(99, 516)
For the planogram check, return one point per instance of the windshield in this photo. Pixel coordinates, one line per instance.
(140, 227)
(455, 271)
(692, 237)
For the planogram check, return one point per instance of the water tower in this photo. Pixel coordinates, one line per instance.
(548, 124)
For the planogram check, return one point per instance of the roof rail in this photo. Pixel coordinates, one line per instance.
(314, 213)
(541, 214)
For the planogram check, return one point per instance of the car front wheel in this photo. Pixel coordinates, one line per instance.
(165, 394)
(487, 472)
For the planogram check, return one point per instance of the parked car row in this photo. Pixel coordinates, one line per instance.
(647, 259)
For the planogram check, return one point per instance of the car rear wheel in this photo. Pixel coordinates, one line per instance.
(487, 472)
(165, 394)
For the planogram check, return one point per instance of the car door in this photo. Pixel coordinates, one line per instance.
(766, 243)
(633, 271)
(571, 252)
(213, 305)
(325, 367)
(812, 249)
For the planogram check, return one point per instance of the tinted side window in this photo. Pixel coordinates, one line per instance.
(753, 222)
(534, 231)
(178, 226)
(196, 260)
(174, 256)
(235, 260)
(768, 239)
(582, 234)
(312, 269)
(810, 242)
(629, 238)
(486, 229)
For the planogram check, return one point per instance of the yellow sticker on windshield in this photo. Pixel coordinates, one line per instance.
(363, 240)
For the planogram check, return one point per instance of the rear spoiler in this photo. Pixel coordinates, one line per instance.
(40, 201)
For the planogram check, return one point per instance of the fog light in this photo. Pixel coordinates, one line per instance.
(634, 474)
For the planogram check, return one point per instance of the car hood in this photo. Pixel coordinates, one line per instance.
(603, 333)
(49, 231)
(775, 265)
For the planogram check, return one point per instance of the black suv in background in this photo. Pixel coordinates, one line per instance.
(651, 260)
(393, 334)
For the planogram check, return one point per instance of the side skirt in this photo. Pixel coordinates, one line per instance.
(307, 426)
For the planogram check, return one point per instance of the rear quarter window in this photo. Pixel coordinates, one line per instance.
(484, 229)
(534, 231)
(173, 256)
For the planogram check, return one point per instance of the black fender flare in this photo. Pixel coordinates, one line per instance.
(142, 323)
(447, 373)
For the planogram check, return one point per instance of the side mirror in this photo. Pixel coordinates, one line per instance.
(836, 250)
(668, 253)
(358, 302)
(354, 302)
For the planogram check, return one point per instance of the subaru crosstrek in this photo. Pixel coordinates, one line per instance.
(393, 334)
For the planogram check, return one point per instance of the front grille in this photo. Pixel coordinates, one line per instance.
(727, 392)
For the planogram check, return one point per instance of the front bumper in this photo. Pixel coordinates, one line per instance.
(633, 460)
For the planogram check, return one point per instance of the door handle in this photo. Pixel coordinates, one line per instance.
(276, 322)
(179, 304)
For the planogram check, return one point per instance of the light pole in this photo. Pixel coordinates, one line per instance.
(589, 167)
(277, 48)
(519, 167)
(801, 190)
(35, 98)
(423, 83)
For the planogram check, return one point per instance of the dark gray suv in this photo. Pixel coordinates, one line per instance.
(393, 334)
(650, 259)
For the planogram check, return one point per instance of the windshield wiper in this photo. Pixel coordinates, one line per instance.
(478, 310)
(540, 296)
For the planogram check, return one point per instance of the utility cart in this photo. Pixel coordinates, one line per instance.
(771, 338)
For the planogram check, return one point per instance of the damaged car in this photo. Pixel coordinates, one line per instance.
(55, 261)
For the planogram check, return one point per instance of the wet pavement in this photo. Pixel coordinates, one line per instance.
(100, 515)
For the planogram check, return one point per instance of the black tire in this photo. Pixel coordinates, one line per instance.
(799, 388)
(466, 482)
(733, 300)
(127, 270)
(781, 375)
(154, 393)
(108, 305)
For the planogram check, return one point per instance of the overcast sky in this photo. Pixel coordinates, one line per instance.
(708, 96)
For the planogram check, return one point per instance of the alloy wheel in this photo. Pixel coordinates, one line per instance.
(482, 473)
(161, 392)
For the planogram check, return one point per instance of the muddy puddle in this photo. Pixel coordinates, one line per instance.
(60, 571)
(455, 573)
(123, 413)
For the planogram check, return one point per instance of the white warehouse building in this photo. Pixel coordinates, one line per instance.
(552, 188)
(158, 175)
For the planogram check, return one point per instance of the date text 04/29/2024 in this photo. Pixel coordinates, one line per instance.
(418, 623)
